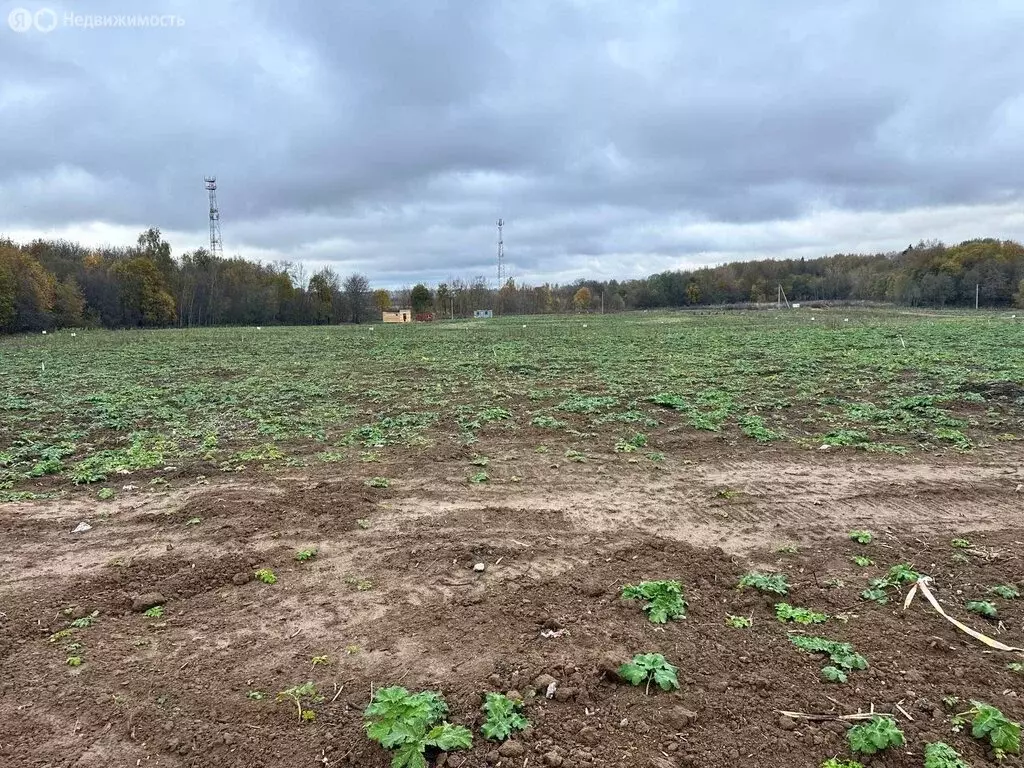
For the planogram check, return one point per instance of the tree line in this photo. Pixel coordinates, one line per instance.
(55, 283)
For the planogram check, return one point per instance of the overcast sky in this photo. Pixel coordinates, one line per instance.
(616, 138)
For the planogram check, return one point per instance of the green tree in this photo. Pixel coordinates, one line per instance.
(420, 298)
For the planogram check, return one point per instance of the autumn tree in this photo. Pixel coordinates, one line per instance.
(381, 300)
(323, 286)
(581, 300)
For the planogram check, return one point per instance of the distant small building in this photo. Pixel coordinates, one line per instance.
(482, 314)
(396, 316)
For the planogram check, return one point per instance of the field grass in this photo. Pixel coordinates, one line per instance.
(79, 409)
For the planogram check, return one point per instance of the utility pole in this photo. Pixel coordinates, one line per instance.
(977, 294)
(602, 302)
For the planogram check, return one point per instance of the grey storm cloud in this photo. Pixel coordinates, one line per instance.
(616, 139)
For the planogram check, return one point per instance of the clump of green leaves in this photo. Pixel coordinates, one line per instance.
(990, 724)
(105, 494)
(861, 537)
(479, 477)
(639, 440)
(256, 695)
(862, 562)
(320, 660)
(85, 621)
(359, 584)
(876, 735)
(841, 655)
(832, 674)
(738, 622)
(835, 762)
(983, 608)
(410, 723)
(300, 695)
(896, 576)
(1005, 591)
(664, 599)
(305, 554)
(74, 661)
(774, 583)
(961, 544)
(266, 575)
(1016, 666)
(940, 755)
(650, 667)
(156, 612)
(785, 612)
(377, 482)
(504, 716)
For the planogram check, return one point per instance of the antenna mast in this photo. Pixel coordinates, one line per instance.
(501, 256)
(216, 246)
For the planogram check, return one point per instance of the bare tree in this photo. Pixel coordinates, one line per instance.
(357, 291)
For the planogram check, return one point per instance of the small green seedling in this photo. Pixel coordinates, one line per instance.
(832, 674)
(256, 695)
(1005, 591)
(300, 694)
(156, 612)
(774, 584)
(785, 612)
(305, 554)
(650, 667)
(74, 661)
(862, 562)
(266, 575)
(411, 723)
(663, 599)
(899, 574)
(363, 523)
(504, 717)
(876, 735)
(939, 755)
(359, 584)
(983, 608)
(378, 482)
(479, 477)
(105, 494)
(861, 537)
(738, 622)
(835, 762)
(85, 621)
(194, 521)
(1016, 666)
(961, 544)
(788, 549)
(321, 660)
(990, 724)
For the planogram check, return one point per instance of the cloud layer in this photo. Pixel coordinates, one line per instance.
(615, 139)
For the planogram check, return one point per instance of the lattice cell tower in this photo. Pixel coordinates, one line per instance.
(501, 256)
(216, 246)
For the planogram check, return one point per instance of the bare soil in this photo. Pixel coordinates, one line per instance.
(393, 598)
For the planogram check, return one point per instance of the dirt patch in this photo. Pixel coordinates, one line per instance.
(393, 597)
